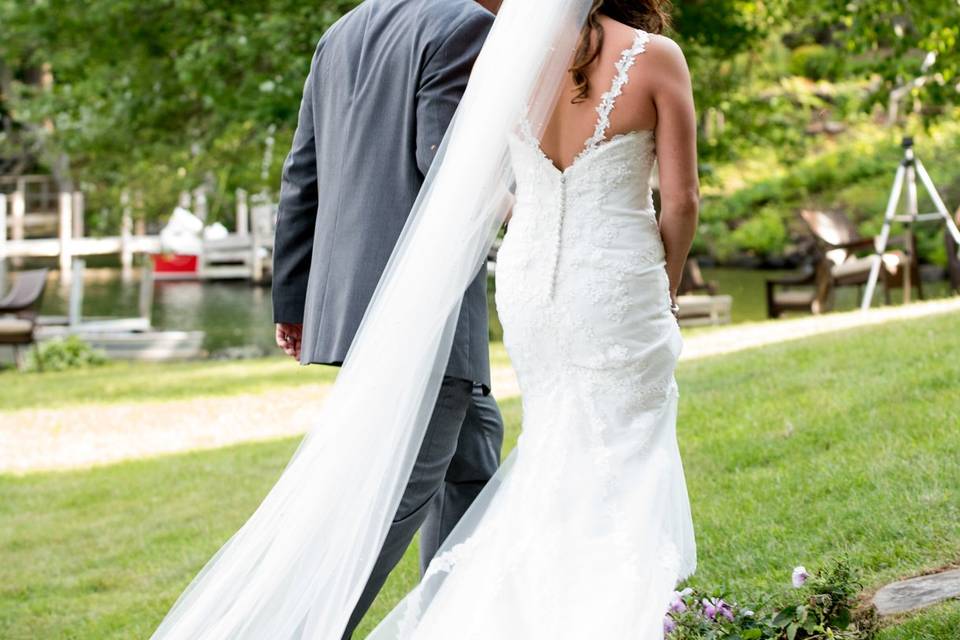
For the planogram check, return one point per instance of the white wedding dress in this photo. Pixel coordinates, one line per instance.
(587, 528)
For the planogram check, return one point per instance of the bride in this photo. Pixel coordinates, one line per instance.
(586, 530)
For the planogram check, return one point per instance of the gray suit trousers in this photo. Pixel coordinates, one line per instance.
(459, 455)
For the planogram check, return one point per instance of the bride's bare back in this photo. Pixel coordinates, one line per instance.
(657, 97)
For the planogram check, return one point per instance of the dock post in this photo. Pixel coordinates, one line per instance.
(18, 213)
(200, 203)
(66, 229)
(3, 243)
(3, 226)
(79, 218)
(256, 240)
(243, 214)
(75, 305)
(126, 233)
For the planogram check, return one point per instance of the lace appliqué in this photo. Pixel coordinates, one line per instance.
(609, 99)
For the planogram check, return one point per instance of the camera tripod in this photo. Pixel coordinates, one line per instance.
(908, 171)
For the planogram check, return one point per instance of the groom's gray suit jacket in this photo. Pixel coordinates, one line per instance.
(384, 84)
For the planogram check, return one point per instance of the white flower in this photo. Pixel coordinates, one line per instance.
(800, 576)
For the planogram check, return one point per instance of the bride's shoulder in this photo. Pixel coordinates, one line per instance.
(664, 49)
(658, 46)
(662, 59)
(664, 67)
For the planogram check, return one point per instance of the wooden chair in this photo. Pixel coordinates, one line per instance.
(815, 295)
(693, 281)
(700, 304)
(839, 241)
(19, 309)
(836, 263)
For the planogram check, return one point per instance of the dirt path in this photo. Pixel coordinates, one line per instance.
(87, 435)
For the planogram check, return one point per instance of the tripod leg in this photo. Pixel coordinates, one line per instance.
(913, 210)
(938, 202)
(884, 236)
(953, 262)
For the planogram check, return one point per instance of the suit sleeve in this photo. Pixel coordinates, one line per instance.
(443, 82)
(297, 214)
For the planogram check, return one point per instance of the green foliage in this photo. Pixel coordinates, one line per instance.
(164, 95)
(764, 233)
(64, 355)
(892, 38)
(160, 96)
(817, 62)
(854, 175)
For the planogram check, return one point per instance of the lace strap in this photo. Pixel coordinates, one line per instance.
(608, 100)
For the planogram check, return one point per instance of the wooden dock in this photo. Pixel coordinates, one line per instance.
(244, 255)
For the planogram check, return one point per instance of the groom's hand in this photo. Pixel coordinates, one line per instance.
(289, 337)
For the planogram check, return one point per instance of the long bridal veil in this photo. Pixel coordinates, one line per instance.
(297, 567)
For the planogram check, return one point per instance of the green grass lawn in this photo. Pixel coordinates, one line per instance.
(139, 382)
(847, 443)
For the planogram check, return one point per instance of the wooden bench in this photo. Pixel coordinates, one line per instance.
(698, 311)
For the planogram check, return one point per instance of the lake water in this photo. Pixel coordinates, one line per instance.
(236, 314)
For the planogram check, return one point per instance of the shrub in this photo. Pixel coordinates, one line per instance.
(817, 62)
(822, 607)
(764, 234)
(64, 354)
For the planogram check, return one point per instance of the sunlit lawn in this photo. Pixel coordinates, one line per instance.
(134, 382)
(847, 443)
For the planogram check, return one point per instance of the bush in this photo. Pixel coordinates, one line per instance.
(822, 607)
(64, 354)
(765, 234)
(817, 63)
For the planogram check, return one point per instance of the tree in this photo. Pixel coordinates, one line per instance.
(157, 96)
(898, 40)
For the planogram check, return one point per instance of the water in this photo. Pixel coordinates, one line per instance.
(232, 314)
(236, 314)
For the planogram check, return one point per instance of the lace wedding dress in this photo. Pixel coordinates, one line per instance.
(587, 528)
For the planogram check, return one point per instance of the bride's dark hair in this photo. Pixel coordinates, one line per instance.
(650, 15)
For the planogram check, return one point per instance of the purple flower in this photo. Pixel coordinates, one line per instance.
(709, 609)
(669, 624)
(677, 605)
(800, 576)
(716, 607)
(726, 611)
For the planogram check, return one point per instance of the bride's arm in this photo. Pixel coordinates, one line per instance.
(676, 136)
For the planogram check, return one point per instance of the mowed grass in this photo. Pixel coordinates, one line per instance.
(141, 382)
(847, 443)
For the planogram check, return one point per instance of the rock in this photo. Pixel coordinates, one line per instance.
(916, 593)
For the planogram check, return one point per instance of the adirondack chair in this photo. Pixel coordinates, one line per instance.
(836, 263)
(19, 308)
(693, 281)
(811, 290)
(699, 301)
(840, 242)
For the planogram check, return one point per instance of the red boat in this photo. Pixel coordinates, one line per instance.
(170, 266)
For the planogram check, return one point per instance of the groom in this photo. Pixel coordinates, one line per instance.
(384, 84)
